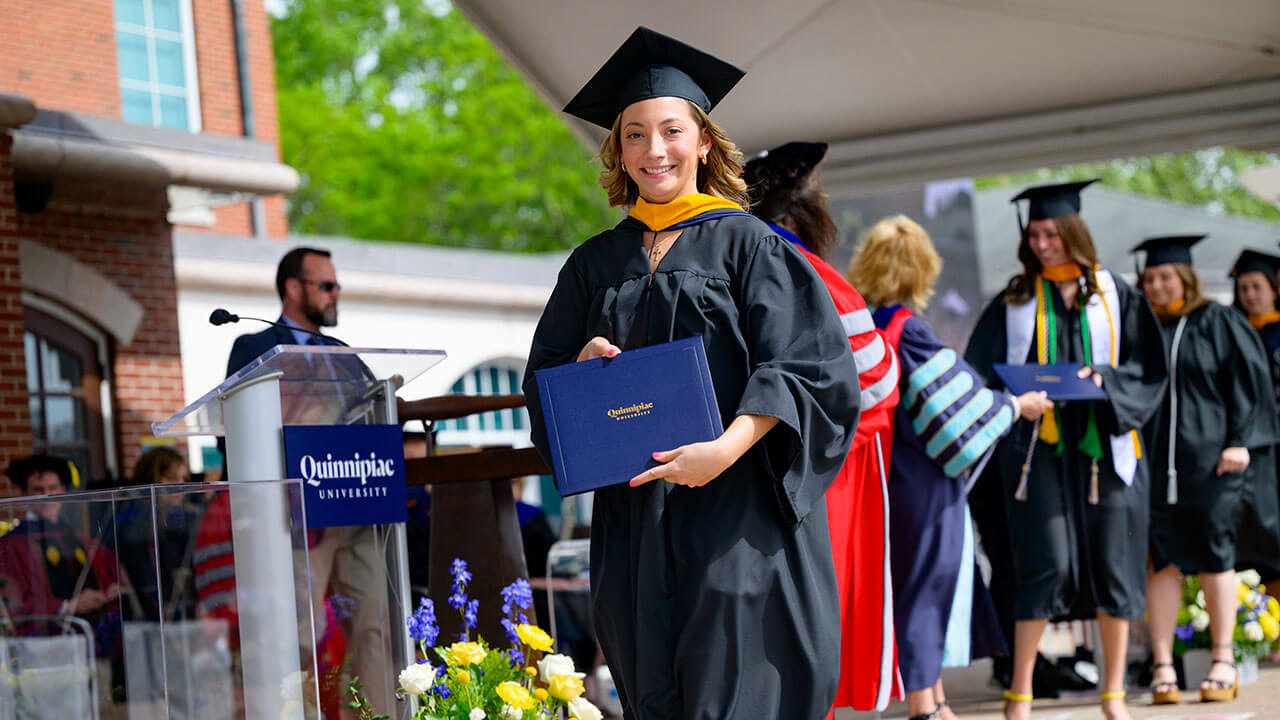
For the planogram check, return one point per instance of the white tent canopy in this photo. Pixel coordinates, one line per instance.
(908, 91)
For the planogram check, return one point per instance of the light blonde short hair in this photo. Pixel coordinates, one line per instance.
(895, 263)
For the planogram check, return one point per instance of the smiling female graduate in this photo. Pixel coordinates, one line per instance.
(1217, 421)
(1076, 484)
(712, 581)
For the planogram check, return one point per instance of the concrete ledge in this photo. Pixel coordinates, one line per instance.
(50, 156)
(80, 287)
(15, 110)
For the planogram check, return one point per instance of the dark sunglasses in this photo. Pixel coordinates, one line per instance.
(324, 285)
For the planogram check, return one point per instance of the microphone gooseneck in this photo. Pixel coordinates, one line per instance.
(220, 316)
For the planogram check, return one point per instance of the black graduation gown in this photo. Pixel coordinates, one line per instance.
(1262, 503)
(1225, 399)
(718, 601)
(1071, 558)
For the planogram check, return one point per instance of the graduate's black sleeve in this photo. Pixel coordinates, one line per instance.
(1251, 405)
(988, 342)
(801, 372)
(557, 340)
(1136, 385)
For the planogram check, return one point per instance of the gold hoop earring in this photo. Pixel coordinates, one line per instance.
(622, 165)
(704, 159)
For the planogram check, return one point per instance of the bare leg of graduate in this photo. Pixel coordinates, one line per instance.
(921, 703)
(1220, 600)
(1026, 640)
(1164, 594)
(940, 697)
(1115, 643)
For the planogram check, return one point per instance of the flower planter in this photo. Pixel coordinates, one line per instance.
(1195, 665)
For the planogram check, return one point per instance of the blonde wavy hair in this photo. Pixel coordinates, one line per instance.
(895, 263)
(720, 176)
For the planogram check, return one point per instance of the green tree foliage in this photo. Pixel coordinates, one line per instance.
(407, 125)
(1207, 178)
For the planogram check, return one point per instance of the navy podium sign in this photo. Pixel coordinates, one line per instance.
(351, 474)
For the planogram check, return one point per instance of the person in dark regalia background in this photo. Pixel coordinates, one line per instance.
(942, 613)
(785, 186)
(1076, 483)
(712, 582)
(1256, 277)
(1217, 420)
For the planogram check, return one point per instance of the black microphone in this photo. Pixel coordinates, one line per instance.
(221, 317)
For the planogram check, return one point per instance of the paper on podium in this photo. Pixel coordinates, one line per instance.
(606, 417)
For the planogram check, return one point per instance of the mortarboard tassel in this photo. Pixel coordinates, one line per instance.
(1020, 494)
(1093, 484)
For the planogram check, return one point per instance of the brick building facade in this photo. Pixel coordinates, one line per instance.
(119, 119)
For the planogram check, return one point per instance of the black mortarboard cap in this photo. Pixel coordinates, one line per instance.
(649, 65)
(1167, 249)
(787, 163)
(1254, 261)
(1051, 201)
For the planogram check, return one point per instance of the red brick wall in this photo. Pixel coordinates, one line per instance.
(61, 54)
(136, 253)
(220, 95)
(15, 420)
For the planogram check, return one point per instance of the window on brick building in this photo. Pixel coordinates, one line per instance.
(155, 56)
(501, 427)
(64, 380)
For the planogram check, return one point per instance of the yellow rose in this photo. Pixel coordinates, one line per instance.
(466, 653)
(540, 693)
(1273, 607)
(566, 687)
(1270, 626)
(463, 676)
(1242, 593)
(535, 637)
(515, 695)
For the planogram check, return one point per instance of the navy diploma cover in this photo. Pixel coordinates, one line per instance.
(351, 474)
(606, 417)
(1058, 380)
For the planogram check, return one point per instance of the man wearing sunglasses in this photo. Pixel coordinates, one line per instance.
(308, 287)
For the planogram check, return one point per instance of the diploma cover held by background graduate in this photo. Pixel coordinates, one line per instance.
(606, 417)
(1059, 380)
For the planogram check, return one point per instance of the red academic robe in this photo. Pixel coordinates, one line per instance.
(858, 512)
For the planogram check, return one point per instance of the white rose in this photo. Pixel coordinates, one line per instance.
(552, 665)
(1253, 631)
(1200, 621)
(512, 713)
(417, 678)
(476, 714)
(1249, 577)
(583, 710)
(1200, 598)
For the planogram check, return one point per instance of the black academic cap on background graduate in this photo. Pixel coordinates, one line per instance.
(649, 65)
(786, 164)
(1045, 202)
(1166, 249)
(1254, 261)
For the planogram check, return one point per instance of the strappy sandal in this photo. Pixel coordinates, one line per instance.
(1164, 693)
(1011, 696)
(937, 713)
(1221, 691)
(1111, 695)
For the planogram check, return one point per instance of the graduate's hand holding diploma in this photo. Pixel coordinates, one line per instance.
(1233, 459)
(1087, 371)
(598, 347)
(697, 464)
